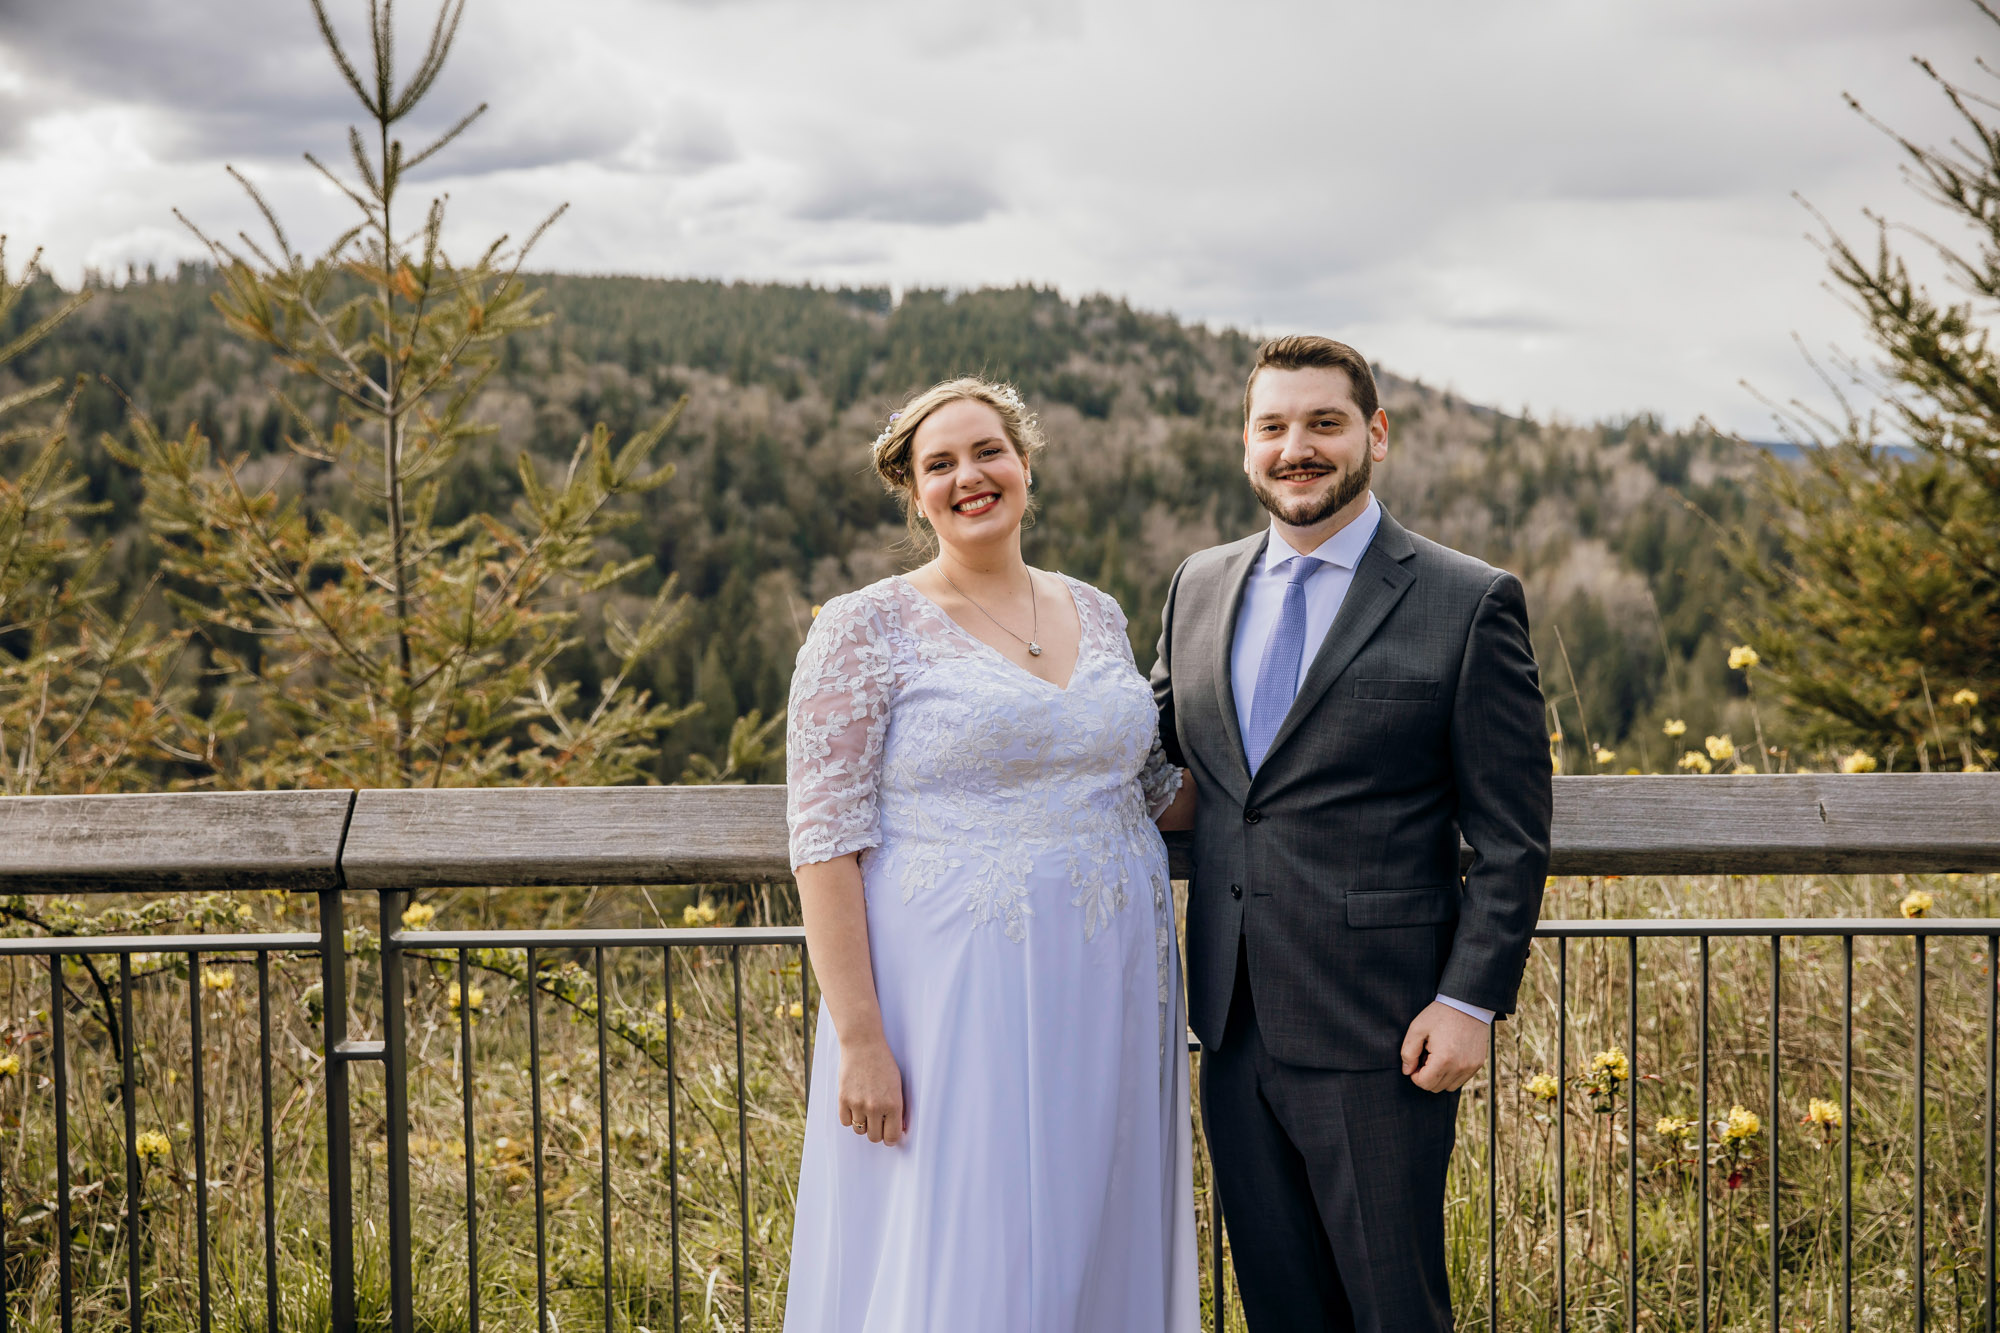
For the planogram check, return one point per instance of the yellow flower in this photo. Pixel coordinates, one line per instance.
(699, 914)
(792, 1010)
(1675, 1129)
(1675, 727)
(1555, 762)
(660, 1007)
(10, 1065)
(1741, 1125)
(1965, 699)
(1859, 762)
(217, 978)
(1604, 756)
(1694, 761)
(1611, 1064)
(243, 913)
(1720, 748)
(817, 608)
(418, 916)
(1823, 1113)
(1543, 1087)
(473, 997)
(1915, 903)
(1556, 736)
(1742, 657)
(152, 1147)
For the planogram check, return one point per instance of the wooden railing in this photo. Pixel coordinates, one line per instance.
(394, 842)
(398, 840)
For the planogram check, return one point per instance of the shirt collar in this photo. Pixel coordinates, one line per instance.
(1344, 548)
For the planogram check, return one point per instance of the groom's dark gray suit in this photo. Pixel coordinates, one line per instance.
(1328, 908)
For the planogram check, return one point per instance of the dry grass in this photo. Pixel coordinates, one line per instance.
(713, 1274)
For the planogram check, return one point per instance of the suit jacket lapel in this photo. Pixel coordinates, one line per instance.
(1380, 581)
(1236, 577)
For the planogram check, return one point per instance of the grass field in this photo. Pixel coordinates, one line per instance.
(718, 1262)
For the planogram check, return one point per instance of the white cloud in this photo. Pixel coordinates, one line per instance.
(1578, 206)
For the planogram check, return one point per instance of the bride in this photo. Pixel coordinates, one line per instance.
(1002, 1142)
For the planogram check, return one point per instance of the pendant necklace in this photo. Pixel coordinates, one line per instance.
(1034, 608)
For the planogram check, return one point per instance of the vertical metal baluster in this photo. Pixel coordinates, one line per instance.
(742, 1134)
(1775, 940)
(465, 1094)
(1492, 1177)
(603, 1140)
(535, 1115)
(60, 1056)
(129, 1095)
(200, 1140)
(1632, 1133)
(1923, 951)
(396, 1104)
(1847, 1135)
(270, 1156)
(806, 1016)
(1562, 1134)
(1701, 1156)
(22, 1127)
(339, 1126)
(1986, 1129)
(1219, 1278)
(673, 1144)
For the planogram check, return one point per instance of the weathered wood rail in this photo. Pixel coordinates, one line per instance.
(408, 840)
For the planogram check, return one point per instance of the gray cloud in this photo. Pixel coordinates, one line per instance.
(857, 194)
(14, 120)
(1582, 206)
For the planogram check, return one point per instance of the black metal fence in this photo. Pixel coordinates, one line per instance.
(104, 844)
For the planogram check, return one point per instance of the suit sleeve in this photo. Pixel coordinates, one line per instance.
(1500, 764)
(1163, 677)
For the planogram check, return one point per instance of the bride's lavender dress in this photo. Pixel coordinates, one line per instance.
(1023, 944)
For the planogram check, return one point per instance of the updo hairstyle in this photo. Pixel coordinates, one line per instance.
(895, 445)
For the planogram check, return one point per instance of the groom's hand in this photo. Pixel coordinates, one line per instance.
(1443, 1048)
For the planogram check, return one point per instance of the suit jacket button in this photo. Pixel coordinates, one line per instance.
(1236, 890)
(1252, 816)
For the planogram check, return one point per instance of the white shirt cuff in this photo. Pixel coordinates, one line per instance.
(1483, 1015)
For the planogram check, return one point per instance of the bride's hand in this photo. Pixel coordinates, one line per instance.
(871, 1092)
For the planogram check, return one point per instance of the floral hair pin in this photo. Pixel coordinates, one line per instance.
(887, 431)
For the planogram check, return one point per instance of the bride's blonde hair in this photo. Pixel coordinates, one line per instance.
(894, 445)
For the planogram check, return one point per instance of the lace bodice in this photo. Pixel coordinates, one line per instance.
(910, 739)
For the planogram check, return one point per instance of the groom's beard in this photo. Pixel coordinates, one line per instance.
(1304, 511)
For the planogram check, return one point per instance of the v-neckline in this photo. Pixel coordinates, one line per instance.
(946, 616)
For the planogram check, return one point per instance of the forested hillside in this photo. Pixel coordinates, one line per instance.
(774, 509)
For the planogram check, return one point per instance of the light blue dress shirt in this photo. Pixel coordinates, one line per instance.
(1325, 589)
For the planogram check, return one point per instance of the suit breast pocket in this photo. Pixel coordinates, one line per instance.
(1408, 690)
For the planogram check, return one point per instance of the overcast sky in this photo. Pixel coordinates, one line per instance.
(1579, 206)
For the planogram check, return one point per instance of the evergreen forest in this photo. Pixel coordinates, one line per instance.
(772, 508)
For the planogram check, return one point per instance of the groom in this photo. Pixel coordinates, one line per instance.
(1350, 699)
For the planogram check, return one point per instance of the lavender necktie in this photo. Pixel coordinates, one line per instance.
(1278, 673)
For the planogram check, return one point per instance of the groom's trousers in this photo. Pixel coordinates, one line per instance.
(1332, 1186)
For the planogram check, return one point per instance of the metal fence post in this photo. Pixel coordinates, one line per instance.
(396, 1098)
(339, 1142)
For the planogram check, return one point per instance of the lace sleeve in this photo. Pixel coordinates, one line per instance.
(1159, 777)
(836, 721)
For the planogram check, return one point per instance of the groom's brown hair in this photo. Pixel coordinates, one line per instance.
(1309, 351)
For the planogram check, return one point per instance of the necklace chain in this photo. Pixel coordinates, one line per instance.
(1034, 609)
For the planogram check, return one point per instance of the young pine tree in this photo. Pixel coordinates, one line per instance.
(88, 701)
(1881, 626)
(371, 641)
